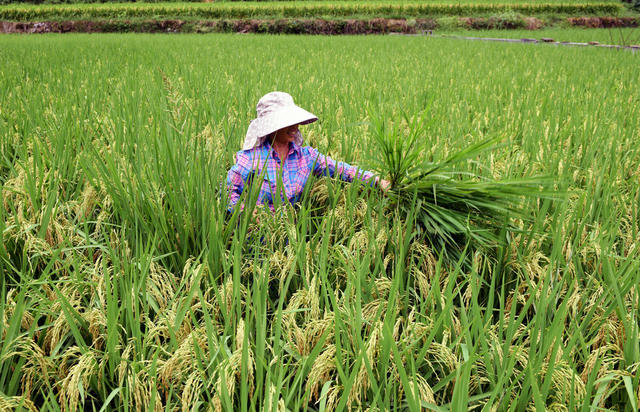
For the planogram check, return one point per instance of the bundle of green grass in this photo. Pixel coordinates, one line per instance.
(452, 207)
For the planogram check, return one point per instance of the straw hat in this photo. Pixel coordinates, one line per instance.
(275, 110)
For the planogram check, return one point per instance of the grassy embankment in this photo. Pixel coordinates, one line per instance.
(122, 286)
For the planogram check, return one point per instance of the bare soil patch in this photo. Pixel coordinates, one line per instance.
(604, 22)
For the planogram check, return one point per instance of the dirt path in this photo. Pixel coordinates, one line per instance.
(634, 48)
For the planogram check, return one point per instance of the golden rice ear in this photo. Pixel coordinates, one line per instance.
(182, 362)
(567, 384)
(359, 243)
(332, 397)
(322, 371)
(442, 354)
(97, 326)
(319, 194)
(191, 392)
(229, 375)
(160, 285)
(38, 368)
(15, 403)
(10, 306)
(140, 386)
(362, 383)
(72, 292)
(270, 404)
(295, 323)
(421, 390)
(281, 263)
(222, 299)
(81, 372)
(308, 337)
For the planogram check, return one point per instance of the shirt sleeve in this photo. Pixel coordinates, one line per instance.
(236, 178)
(323, 165)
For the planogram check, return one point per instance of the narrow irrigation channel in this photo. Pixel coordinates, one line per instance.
(634, 48)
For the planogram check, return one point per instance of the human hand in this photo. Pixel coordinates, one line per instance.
(385, 185)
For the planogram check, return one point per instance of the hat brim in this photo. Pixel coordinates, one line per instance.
(275, 121)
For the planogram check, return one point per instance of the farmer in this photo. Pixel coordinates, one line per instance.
(273, 142)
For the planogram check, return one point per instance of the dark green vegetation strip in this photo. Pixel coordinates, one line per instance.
(243, 10)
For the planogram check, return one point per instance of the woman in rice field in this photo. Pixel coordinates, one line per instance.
(273, 149)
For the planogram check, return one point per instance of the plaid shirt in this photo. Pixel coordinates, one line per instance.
(292, 176)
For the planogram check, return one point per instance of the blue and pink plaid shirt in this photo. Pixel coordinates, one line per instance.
(290, 177)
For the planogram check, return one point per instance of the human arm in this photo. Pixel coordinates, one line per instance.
(236, 179)
(323, 165)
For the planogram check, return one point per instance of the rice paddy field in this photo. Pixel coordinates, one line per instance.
(125, 284)
(287, 9)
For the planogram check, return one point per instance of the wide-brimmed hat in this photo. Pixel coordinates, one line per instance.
(275, 111)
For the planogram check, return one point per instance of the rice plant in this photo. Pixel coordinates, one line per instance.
(454, 204)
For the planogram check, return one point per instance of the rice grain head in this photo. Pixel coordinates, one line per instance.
(322, 371)
(141, 385)
(361, 383)
(269, 405)
(37, 370)
(191, 392)
(9, 309)
(80, 373)
(421, 389)
(16, 403)
(160, 285)
(332, 397)
(97, 326)
(230, 368)
(182, 363)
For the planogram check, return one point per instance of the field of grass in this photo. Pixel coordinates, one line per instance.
(124, 286)
(399, 9)
(622, 36)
